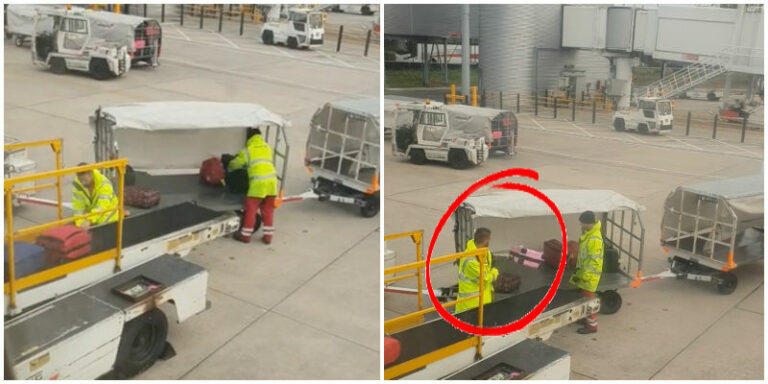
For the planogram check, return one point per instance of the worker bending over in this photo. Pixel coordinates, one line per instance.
(93, 192)
(262, 187)
(589, 265)
(469, 272)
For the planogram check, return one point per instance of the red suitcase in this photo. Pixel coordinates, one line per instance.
(67, 242)
(141, 197)
(212, 172)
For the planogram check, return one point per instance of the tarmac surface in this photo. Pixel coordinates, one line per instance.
(666, 329)
(304, 307)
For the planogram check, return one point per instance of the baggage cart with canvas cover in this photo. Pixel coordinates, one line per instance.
(17, 163)
(166, 142)
(98, 315)
(503, 126)
(20, 21)
(712, 228)
(516, 218)
(343, 153)
(391, 122)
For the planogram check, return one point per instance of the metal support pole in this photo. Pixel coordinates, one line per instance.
(594, 109)
(743, 129)
(501, 99)
(221, 17)
(367, 42)
(518, 102)
(145, 10)
(535, 103)
(554, 111)
(242, 20)
(465, 48)
(162, 13)
(573, 109)
(483, 98)
(714, 128)
(201, 16)
(341, 33)
(688, 124)
(182, 15)
(546, 97)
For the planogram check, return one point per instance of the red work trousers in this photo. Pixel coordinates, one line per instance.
(591, 319)
(267, 208)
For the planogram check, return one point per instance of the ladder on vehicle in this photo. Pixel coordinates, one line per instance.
(735, 59)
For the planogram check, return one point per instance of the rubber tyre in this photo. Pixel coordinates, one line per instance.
(292, 43)
(99, 69)
(267, 38)
(643, 128)
(618, 125)
(417, 156)
(371, 207)
(729, 284)
(711, 96)
(58, 66)
(18, 41)
(610, 302)
(366, 11)
(142, 342)
(458, 159)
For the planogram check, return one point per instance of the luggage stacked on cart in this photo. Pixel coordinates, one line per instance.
(65, 243)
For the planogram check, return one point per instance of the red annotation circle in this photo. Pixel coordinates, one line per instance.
(528, 318)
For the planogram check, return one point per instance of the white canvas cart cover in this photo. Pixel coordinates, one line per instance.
(508, 204)
(171, 115)
(391, 116)
(20, 18)
(472, 124)
(491, 113)
(114, 27)
(366, 107)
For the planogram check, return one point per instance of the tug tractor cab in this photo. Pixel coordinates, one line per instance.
(293, 27)
(431, 132)
(63, 41)
(647, 115)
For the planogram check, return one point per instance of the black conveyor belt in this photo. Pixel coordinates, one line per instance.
(150, 225)
(176, 189)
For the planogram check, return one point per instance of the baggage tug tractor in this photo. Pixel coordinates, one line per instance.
(294, 27)
(441, 135)
(62, 40)
(650, 114)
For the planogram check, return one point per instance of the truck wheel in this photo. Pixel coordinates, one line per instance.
(99, 69)
(417, 157)
(727, 284)
(18, 41)
(618, 125)
(643, 128)
(267, 38)
(711, 96)
(610, 302)
(365, 10)
(293, 43)
(142, 342)
(58, 66)
(371, 207)
(458, 159)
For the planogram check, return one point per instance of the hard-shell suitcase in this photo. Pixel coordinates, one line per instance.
(65, 243)
(141, 197)
(28, 259)
(553, 251)
(506, 282)
(212, 172)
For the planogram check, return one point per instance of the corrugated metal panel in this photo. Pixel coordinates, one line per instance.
(431, 20)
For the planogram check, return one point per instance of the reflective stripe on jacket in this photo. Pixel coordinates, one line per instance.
(589, 267)
(257, 158)
(101, 198)
(469, 273)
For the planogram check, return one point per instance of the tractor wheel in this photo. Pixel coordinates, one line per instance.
(293, 43)
(18, 41)
(267, 38)
(618, 125)
(727, 284)
(99, 69)
(141, 344)
(417, 156)
(371, 207)
(58, 66)
(458, 159)
(643, 128)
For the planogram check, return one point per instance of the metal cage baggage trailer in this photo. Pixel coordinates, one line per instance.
(342, 153)
(710, 229)
(166, 142)
(516, 218)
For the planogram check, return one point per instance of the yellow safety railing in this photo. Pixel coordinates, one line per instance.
(416, 237)
(56, 147)
(29, 234)
(405, 321)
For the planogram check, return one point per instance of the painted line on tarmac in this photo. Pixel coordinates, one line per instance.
(632, 136)
(735, 146)
(348, 65)
(537, 123)
(227, 40)
(686, 143)
(183, 34)
(582, 129)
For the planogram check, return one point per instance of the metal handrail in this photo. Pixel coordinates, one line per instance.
(56, 145)
(14, 285)
(395, 324)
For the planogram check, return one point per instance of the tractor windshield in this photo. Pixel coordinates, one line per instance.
(665, 108)
(315, 21)
(299, 17)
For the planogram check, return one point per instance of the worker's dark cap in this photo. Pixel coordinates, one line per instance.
(587, 217)
(80, 164)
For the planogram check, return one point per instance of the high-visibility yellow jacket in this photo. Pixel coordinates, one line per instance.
(102, 197)
(589, 267)
(469, 273)
(257, 158)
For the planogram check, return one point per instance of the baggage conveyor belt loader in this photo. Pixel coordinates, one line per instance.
(98, 315)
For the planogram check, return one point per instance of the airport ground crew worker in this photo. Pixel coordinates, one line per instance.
(589, 265)
(93, 192)
(469, 272)
(262, 187)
